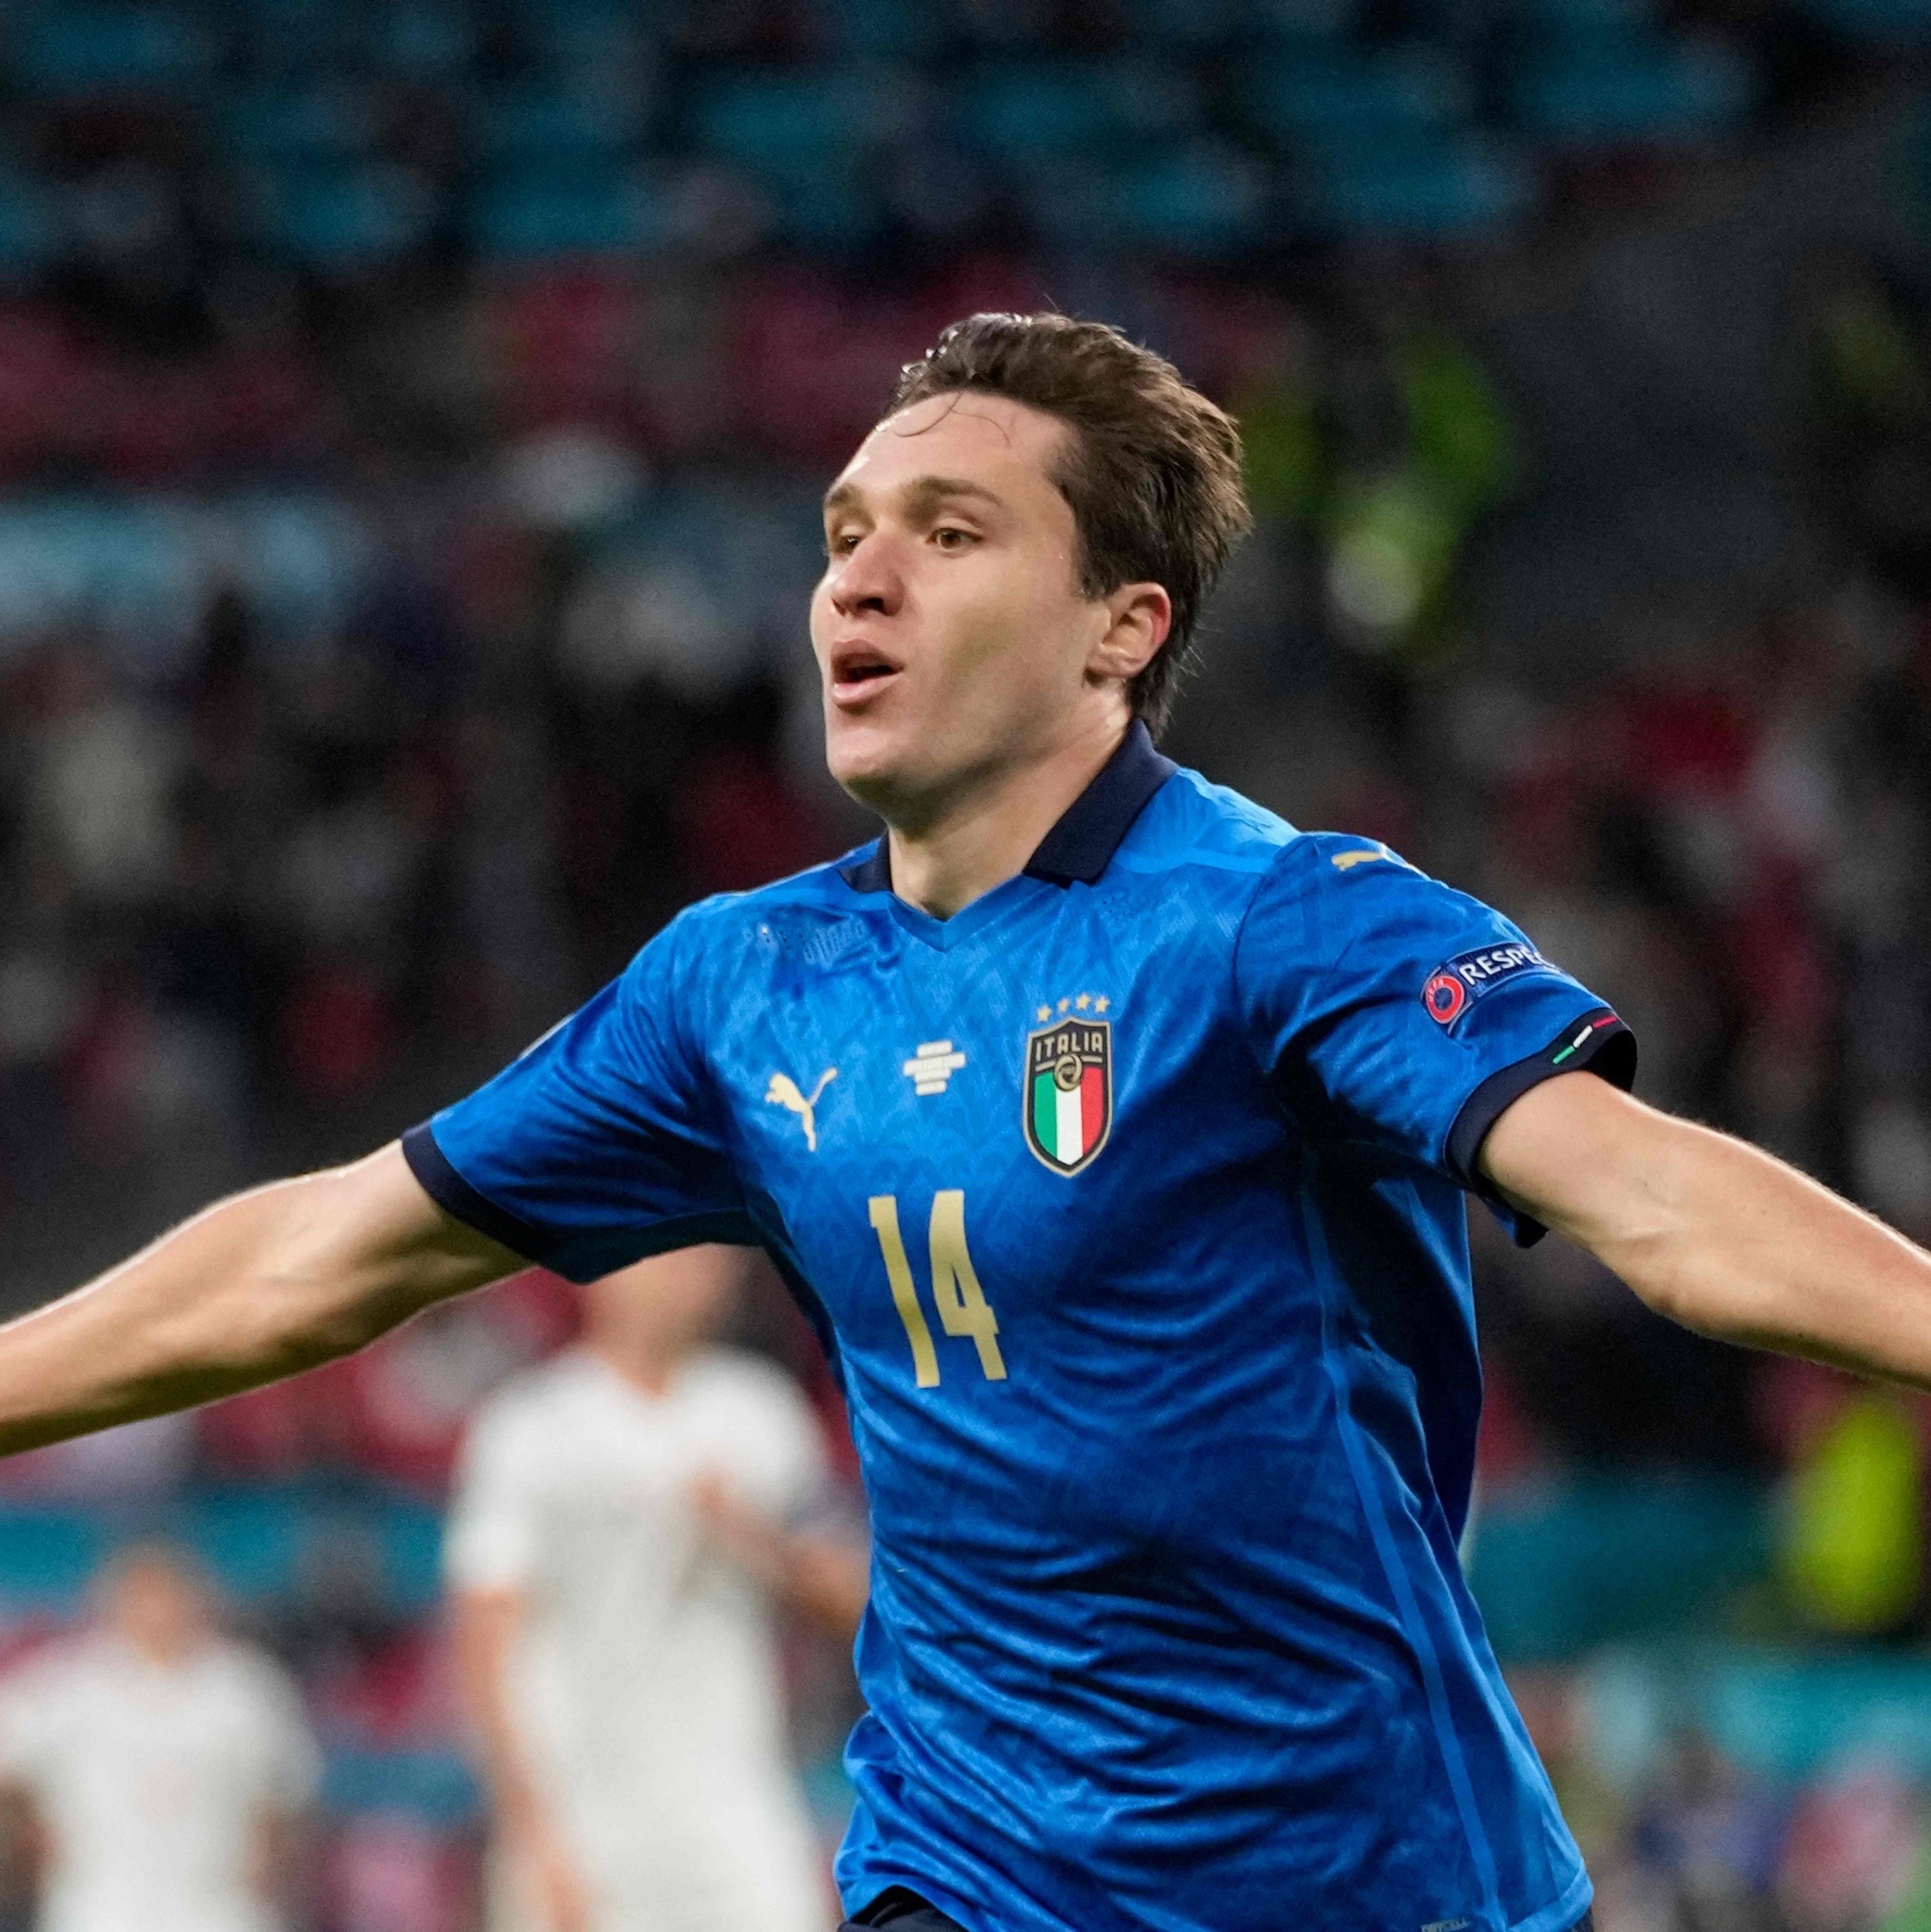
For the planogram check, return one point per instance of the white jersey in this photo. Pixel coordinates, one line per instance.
(152, 1781)
(646, 1685)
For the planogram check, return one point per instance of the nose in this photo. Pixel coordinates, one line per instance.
(868, 577)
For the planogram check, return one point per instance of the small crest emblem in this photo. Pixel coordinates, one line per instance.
(1069, 1092)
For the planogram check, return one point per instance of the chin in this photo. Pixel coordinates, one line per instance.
(871, 769)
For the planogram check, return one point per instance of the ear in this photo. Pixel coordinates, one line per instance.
(1138, 616)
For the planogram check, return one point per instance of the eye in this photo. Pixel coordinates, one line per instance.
(950, 537)
(842, 543)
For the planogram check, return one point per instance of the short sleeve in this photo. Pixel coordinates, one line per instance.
(603, 1143)
(1390, 1009)
(491, 1539)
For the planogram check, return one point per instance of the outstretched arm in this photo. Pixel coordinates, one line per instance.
(1713, 1233)
(263, 1285)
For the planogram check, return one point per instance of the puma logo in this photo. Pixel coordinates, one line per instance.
(783, 1092)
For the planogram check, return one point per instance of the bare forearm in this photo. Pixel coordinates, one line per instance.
(484, 1628)
(256, 1288)
(1721, 1237)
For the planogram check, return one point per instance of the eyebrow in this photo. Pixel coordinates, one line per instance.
(921, 495)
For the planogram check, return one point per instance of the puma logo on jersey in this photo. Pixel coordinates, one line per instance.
(783, 1092)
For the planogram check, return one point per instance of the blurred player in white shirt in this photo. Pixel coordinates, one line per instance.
(166, 1767)
(625, 1523)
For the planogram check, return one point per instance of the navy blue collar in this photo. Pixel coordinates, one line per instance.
(1082, 845)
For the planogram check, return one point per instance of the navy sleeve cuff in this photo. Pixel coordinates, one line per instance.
(585, 1255)
(1598, 1042)
(455, 1196)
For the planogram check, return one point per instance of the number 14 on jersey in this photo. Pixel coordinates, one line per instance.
(963, 1307)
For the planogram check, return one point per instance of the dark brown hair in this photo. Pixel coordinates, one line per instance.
(1151, 471)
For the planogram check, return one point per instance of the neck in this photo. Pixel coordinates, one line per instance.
(164, 1653)
(648, 1365)
(996, 826)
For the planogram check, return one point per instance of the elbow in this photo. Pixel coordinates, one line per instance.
(1653, 1266)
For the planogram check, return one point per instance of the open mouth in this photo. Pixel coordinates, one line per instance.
(858, 672)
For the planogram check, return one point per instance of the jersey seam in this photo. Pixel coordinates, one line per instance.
(1481, 1853)
(1565, 1913)
(1233, 974)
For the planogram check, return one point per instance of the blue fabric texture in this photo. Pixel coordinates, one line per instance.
(1129, 1202)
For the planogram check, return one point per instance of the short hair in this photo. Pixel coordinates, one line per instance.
(1151, 471)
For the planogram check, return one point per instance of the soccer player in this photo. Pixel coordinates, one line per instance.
(1113, 1131)
(167, 1767)
(625, 1518)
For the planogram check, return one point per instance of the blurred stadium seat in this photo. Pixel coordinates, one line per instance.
(105, 47)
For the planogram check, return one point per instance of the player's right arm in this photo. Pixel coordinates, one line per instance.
(279, 1279)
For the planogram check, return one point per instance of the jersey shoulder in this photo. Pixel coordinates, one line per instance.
(812, 917)
(746, 1384)
(248, 1673)
(1192, 822)
(532, 1401)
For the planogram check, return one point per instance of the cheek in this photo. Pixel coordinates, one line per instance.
(820, 615)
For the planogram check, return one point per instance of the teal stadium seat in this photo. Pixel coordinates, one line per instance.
(1454, 186)
(532, 210)
(295, 37)
(882, 29)
(1305, 22)
(1891, 25)
(343, 219)
(567, 122)
(1611, 1557)
(1343, 102)
(1192, 23)
(65, 50)
(48, 1556)
(28, 231)
(1642, 94)
(606, 38)
(805, 135)
(423, 40)
(1202, 198)
(311, 122)
(1021, 113)
(434, 1787)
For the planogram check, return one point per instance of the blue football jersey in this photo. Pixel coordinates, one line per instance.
(1128, 1204)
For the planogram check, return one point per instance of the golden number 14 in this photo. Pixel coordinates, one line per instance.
(963, 1307)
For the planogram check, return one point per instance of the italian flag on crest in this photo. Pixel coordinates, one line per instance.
(1069, 1092)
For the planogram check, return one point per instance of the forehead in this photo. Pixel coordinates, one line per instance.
(1008, 446)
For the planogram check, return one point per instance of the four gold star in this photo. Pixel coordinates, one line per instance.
(1097, 1002)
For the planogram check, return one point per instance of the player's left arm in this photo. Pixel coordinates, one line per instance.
(1712, 1232)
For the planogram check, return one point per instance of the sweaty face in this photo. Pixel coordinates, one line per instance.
(951, 634)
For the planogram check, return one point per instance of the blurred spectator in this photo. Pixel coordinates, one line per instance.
(168, 1769)
(626, 1520)
(1709, 1836)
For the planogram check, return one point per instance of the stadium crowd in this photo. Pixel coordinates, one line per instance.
(401, 588)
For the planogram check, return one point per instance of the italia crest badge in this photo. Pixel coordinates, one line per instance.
(1069, 1091)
